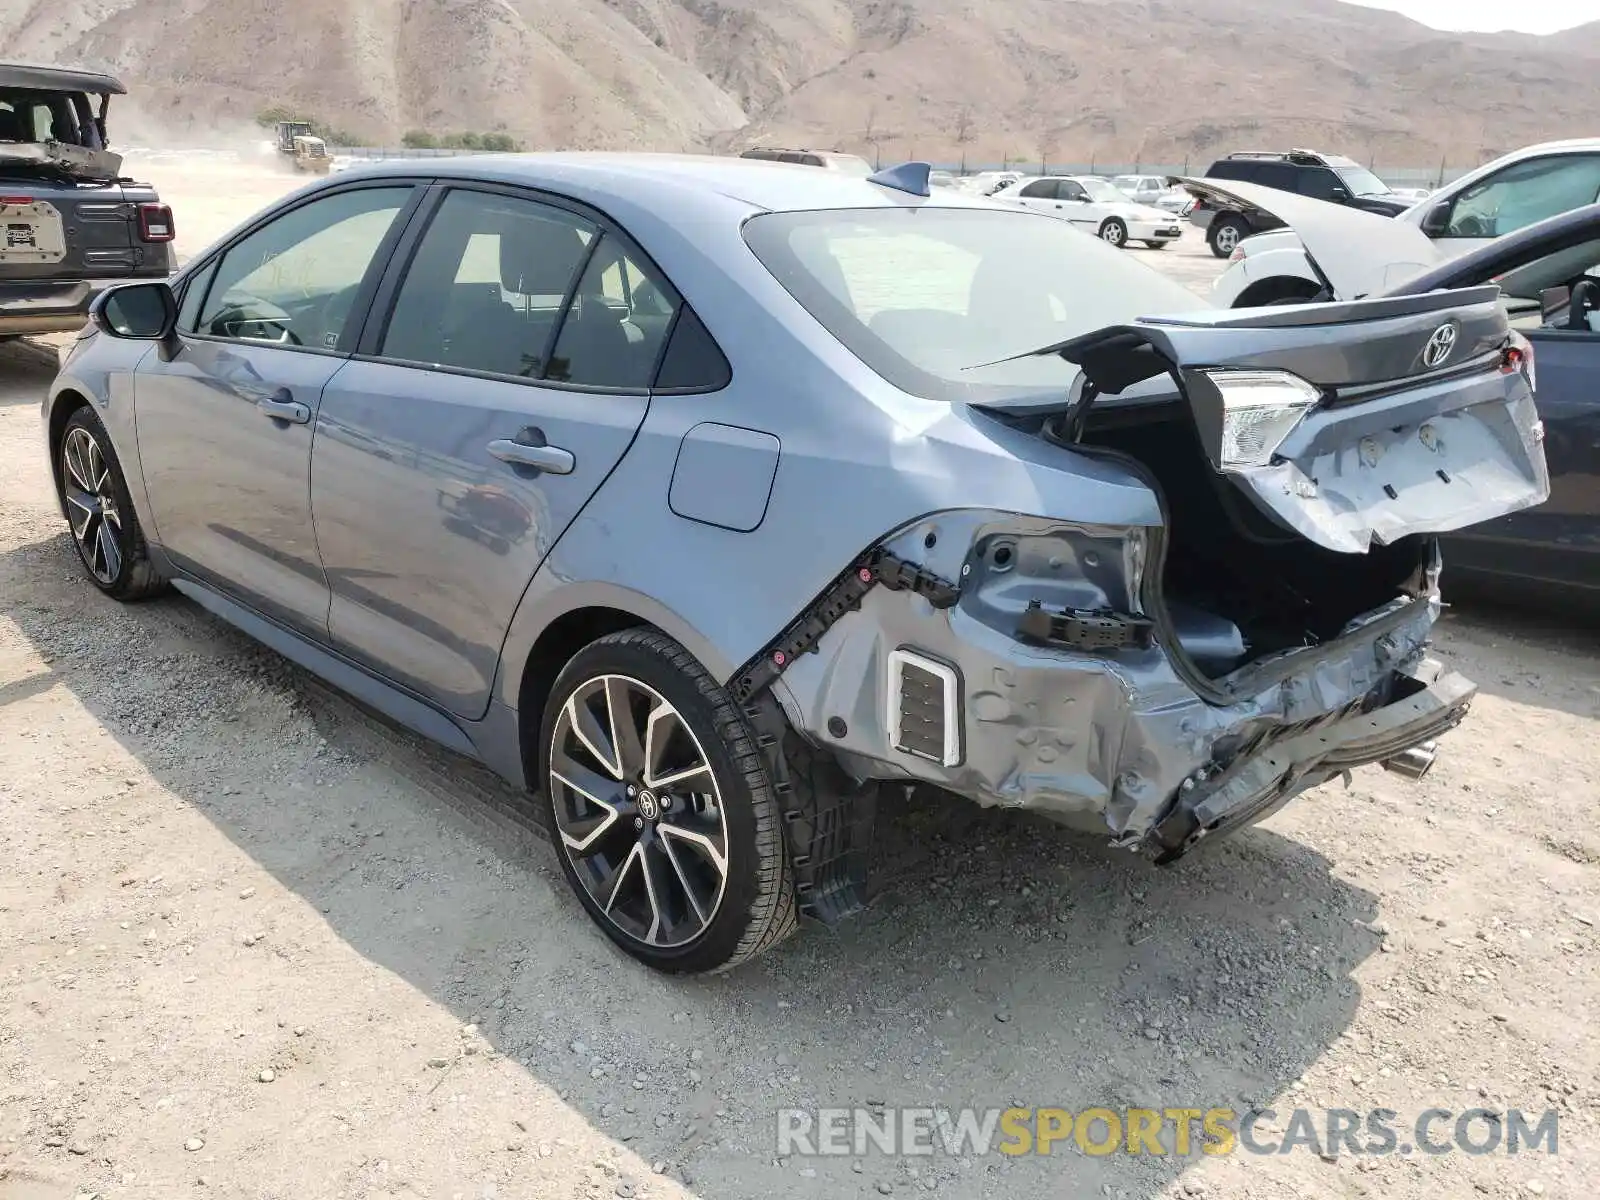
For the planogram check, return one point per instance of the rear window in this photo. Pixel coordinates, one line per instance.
(1233, 169)
(926, 297)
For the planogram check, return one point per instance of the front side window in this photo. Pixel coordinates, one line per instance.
(487, 285)
(294, 281)
(1099, 190)
(1317, 182)
(1069, 190)
(1523, 193)
(926, 297)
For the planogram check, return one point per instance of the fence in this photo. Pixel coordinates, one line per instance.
(1406, 177)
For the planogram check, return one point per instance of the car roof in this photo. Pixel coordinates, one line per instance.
(771, 186)
(59, 79)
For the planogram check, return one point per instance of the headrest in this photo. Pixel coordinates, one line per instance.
(537, 256)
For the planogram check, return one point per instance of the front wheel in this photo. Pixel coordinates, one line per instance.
(1114, 233)
(665, 819)
(105, 529)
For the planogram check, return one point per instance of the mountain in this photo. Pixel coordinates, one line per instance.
(1157, 81)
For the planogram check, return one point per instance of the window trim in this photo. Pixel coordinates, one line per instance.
(386, 296)
(1449, 203)
(203, 272)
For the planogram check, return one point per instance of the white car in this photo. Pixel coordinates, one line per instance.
(1155, 191)
(1498, 198)
(987, 183)
(1096, 207)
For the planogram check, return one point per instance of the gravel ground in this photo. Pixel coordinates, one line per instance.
(256, 944)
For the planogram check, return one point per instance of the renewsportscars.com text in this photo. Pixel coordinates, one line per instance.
(1179, 1132)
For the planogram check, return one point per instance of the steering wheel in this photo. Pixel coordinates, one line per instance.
(1472, 225)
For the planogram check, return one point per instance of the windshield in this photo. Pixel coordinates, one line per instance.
(1361, 181)
(1099, 189)
(923, 295)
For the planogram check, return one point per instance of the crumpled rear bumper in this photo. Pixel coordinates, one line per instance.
(1431, 701)
(1113, 741)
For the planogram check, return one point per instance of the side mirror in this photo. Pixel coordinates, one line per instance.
(1339, 196)
(1437, 219)
(1552, 300)
(137, 311)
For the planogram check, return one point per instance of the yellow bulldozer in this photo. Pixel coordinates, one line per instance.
(302, 148)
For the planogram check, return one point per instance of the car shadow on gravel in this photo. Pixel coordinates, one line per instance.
(1557, 649)
(26, 370)
(1003, 962)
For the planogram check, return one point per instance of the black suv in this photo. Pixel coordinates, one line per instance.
(70, 221)
(1304, 172)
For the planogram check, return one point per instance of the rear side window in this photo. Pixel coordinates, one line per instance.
(1278, 175)
(1040, 189)
(693, 360)
(488, 283)
(613, 333)
(1228, 168)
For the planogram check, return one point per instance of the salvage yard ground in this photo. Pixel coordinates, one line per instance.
(255, 944)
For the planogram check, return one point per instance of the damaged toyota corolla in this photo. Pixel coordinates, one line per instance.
(830, 483)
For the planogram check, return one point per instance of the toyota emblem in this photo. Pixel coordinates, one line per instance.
(1440, 344)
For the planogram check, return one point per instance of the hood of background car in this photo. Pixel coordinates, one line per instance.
(1359, 253)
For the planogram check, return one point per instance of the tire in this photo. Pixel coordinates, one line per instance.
(639, 846)
(1225, 235)
(1113, 232)
(1268, 294)
(105, 528)
(1156, 245)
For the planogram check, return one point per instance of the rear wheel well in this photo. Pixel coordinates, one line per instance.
(67, 403)
(1279, 287)
(554, 649)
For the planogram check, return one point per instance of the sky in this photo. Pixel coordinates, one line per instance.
(1488, 16)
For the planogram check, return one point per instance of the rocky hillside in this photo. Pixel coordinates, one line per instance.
(1153, 80)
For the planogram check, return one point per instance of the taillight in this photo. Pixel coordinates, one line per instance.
(155, 223)
(1238, 254)
(15, 201)
(1518, 356)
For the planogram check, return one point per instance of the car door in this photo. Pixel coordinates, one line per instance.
(1512, 198)
(225, 423)
(1075, 205)
(1037, 194)
(505, 371)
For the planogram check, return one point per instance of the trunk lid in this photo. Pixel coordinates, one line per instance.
(1348, 423)
(1357, 253)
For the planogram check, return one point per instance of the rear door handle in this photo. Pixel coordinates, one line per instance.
(530, 449)
(282, 408)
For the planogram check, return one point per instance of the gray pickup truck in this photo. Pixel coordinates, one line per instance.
(70, 222)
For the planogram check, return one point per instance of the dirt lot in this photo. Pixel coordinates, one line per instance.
(255, 944)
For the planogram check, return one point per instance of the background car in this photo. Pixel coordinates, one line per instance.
(1549, 277)
(1328, 177)
(70, 221)
(833, 160)
(1500, 197)
(1096, 207)
(1154, 191)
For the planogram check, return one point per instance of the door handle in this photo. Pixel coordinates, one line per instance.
(530, 449)
(281, 408)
